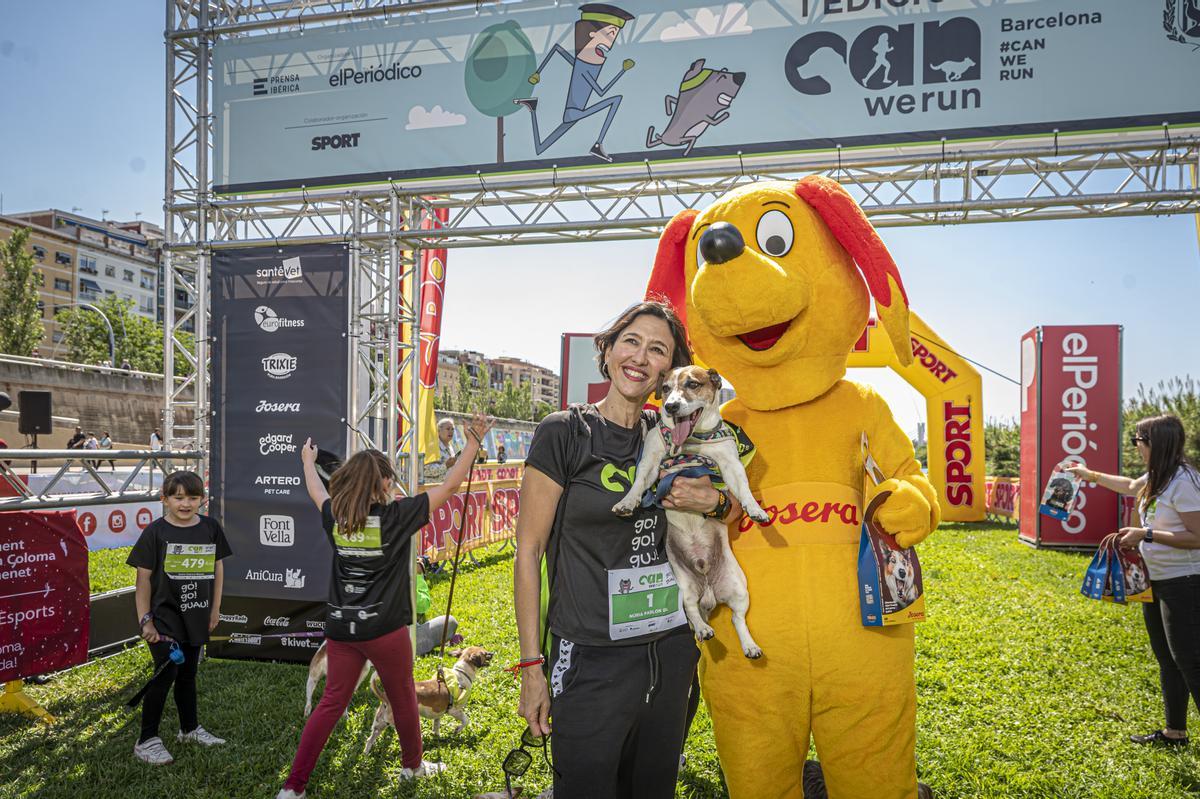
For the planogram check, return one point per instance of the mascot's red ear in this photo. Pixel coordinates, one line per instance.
(854, 232)
(667, 280)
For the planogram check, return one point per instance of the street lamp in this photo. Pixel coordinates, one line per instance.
(112, 344)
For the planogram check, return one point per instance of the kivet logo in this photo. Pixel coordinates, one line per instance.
(276, 531)
(277, 407)
(279, 366)
(266, 318)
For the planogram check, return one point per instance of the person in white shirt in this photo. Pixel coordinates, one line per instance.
(435, 471)
(156, 441)
(1169, 504)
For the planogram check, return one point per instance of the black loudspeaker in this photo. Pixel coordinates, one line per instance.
(34, 408)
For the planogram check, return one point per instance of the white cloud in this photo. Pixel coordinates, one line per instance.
(732, 21)
(436, 117)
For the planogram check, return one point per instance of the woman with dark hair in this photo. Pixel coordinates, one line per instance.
(621, 658)
(1169, 503)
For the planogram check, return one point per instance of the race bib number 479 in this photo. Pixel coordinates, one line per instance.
(190, 561)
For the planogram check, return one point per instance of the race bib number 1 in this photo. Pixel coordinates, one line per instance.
(190, 561)
(643, 600)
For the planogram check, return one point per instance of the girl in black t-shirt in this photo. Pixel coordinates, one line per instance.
(178, 599)
(622, 659)
(369, 594)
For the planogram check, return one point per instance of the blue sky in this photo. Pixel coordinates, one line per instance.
(84, 80)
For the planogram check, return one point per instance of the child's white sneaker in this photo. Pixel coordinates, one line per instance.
(153, 751)
(199, 736)
(288, 793)
(426, 769)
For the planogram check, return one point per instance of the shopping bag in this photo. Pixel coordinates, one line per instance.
(1097, 575)
(1059, 497)
(891, 590)
(1135, 576)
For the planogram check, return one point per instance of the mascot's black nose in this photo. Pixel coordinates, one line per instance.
(739, 78)
(720, 243)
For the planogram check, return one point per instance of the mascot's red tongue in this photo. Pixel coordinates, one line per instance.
(683, 428)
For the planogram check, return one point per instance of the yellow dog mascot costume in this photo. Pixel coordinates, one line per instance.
(766, 281)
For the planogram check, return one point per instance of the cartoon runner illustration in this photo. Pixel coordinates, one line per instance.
(595, 32)
(881, 50)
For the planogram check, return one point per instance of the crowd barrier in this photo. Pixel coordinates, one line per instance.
(494, 503)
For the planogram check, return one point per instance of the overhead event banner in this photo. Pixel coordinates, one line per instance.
(44, 608)
(533, 86)
(1070, 413)
(279, 367)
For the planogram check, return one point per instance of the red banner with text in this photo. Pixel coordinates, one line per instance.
(493, 505)
(44, 604)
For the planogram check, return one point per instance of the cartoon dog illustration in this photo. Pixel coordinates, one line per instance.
(704, 94)
(626, 586)
(954, 70)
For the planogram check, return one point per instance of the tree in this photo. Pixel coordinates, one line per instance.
(515, 402)
(1003, 447)
(21, 328)
(1179, 396)
(497, 72)
(542, 410)
(138, 339)
(921, 453)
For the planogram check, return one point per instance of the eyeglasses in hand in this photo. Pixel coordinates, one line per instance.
(518, 761)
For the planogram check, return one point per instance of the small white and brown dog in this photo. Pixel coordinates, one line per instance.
(434, 698)
(698, 547)
(317, 668)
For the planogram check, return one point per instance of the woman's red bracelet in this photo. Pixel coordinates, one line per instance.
(515, 669)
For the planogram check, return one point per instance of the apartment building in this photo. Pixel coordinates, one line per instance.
(543, 382)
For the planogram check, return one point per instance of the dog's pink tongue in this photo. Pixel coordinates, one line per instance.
(682, 429)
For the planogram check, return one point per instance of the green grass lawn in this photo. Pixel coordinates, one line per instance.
(1026, 689)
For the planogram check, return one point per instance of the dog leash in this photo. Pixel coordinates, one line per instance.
(174, 656)
(458, 550)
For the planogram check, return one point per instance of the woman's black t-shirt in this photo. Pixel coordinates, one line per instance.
(369, 592)
(610, 583)
(182, 563)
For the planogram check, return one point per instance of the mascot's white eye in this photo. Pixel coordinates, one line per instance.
(699, 256)
(774, 233)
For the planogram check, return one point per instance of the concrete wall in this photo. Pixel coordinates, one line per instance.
(129, 407)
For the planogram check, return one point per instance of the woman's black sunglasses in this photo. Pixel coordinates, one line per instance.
(518, 761)
(1135, 438)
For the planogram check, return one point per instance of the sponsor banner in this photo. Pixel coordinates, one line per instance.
(513, 87)
(953, 392)
(1003, 497)
(494, 506)
(110, 525)
(279, 376)
(257, 629)
(116, 525)
(581, 380)
(44, 607)
(1070, 413)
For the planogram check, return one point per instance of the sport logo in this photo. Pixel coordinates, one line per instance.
(279, 366)
(294, 578)
(266, 318)
(288, 271)
(276, 531)
(276, 442)
(277, 407)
